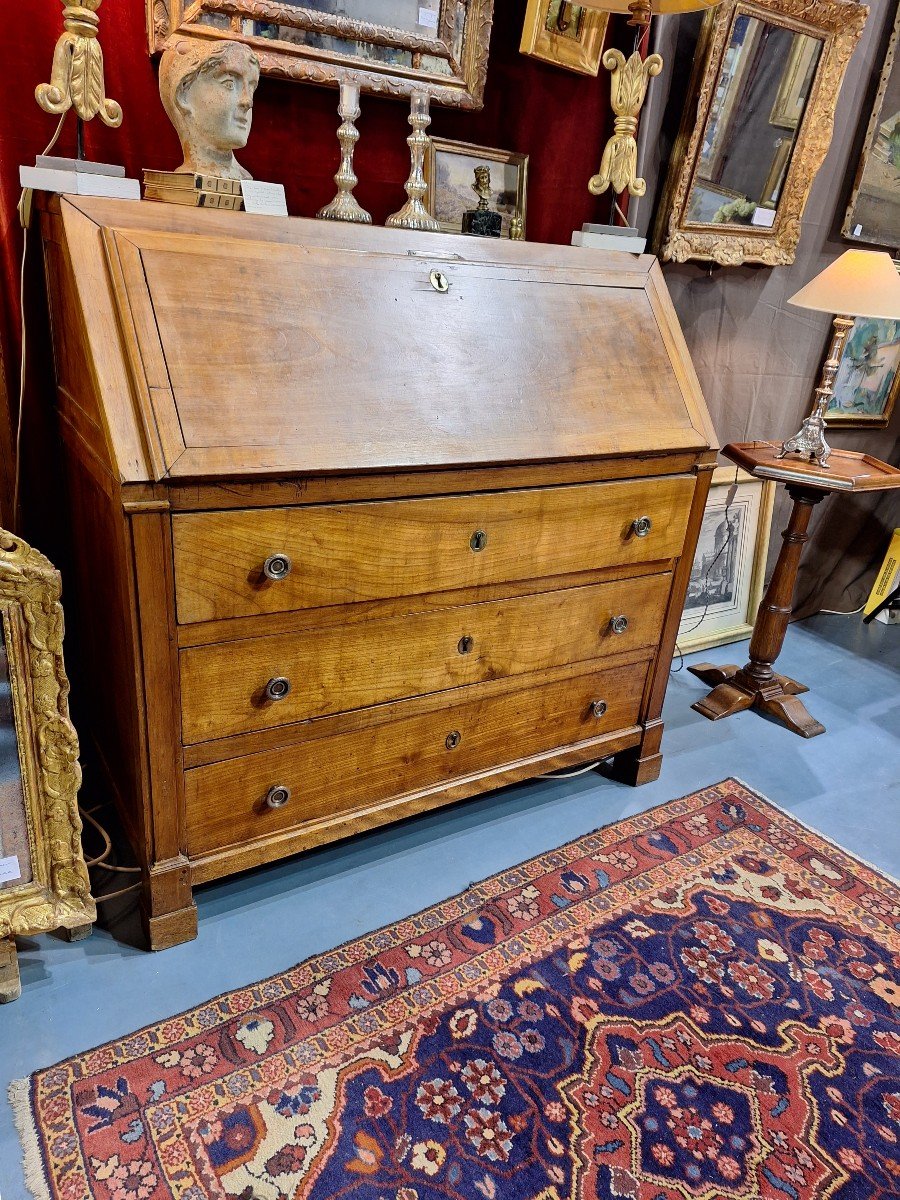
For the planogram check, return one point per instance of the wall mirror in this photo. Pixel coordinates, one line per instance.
(393, 46)
(757, 125)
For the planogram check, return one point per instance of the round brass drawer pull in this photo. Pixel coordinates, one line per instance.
(618, 624)
(478, 540)
(276, 566)
(277, 688)
(278, 796)
(465, 644)
(598, 708)
(453, 739)
(641, 526)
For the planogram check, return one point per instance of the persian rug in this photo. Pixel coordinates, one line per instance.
(697, 1003)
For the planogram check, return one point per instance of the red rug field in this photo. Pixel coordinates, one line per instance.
(697, 1003)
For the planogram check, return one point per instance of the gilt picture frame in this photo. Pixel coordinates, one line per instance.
(770, 234)
(728, 573)
(436, 46)
(43, 878)
(873, 211)
(868, 375)
(566, 35)
(449, 173)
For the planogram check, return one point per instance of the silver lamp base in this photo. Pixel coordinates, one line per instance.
(809, 441)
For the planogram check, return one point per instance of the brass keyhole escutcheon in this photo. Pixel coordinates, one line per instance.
(453, 739)
(439, 281)
(465, 644)
(478, 540)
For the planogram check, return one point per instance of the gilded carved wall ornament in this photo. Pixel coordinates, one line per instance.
(58, 892)
(76, 77)
(628, 86)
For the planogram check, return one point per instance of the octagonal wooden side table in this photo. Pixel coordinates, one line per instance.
(757, 684)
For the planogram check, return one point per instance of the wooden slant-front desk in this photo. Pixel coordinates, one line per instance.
(366, 521)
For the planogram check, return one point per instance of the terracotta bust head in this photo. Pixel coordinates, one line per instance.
(207, 91)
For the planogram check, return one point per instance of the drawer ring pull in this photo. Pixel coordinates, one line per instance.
(478, 540)
(465, 644)
(598, 708)
(453, 739)
(277, 688)
(277, 566)
(641, 526)
(278, 796)
(618, 624)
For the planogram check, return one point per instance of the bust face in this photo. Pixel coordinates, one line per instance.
(219, 104)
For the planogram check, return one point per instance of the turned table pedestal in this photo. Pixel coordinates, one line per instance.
(758, 684)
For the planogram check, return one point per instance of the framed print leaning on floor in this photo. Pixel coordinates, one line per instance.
(728, 574)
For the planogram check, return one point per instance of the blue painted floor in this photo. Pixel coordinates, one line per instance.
(845, 784)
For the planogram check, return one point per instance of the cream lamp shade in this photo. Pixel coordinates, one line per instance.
(861, 283)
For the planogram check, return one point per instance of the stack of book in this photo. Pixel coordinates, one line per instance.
(197, 191)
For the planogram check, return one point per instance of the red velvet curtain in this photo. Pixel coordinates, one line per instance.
(557, 117)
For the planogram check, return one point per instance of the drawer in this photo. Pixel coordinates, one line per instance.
(224, 686)
(343, 553)
(226, 802)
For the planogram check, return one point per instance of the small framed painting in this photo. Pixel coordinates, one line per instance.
(728, 572)
(865, 386)
(873, 214)
(564, 34)
(450, 175)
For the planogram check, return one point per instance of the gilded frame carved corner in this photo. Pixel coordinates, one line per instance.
(462, 86)
(58, 893)
(838, 24)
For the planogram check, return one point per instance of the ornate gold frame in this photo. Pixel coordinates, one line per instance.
(461, 87)
(59, 894)
(838, 23)
(580, 54)
(875, 120)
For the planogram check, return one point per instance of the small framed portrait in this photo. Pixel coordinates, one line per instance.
(728, 571)
(450, 175)
(865, 386)
(564, 34)
(43, 879)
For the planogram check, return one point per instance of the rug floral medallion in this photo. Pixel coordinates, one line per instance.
(697, 1003)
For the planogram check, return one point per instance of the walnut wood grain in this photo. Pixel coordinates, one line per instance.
(230, 386)
(402, 757)
(347, 667)
(345, 554)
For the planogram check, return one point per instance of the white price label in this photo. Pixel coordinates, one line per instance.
(857, 230)
(266, 199)
(428, 18)
(764, 216)
(10, 870)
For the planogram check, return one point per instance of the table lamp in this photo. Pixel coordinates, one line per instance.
(861, 283)
(628, 85)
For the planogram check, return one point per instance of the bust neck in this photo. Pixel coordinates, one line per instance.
(209, 160)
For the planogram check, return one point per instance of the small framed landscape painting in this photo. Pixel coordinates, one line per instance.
(450, 173)
(728, 572)
(565, 35)
(873, 214)
(865, 386)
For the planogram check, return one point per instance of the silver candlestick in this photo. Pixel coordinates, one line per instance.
(414, 214)
(345, 206)
(809, 441)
